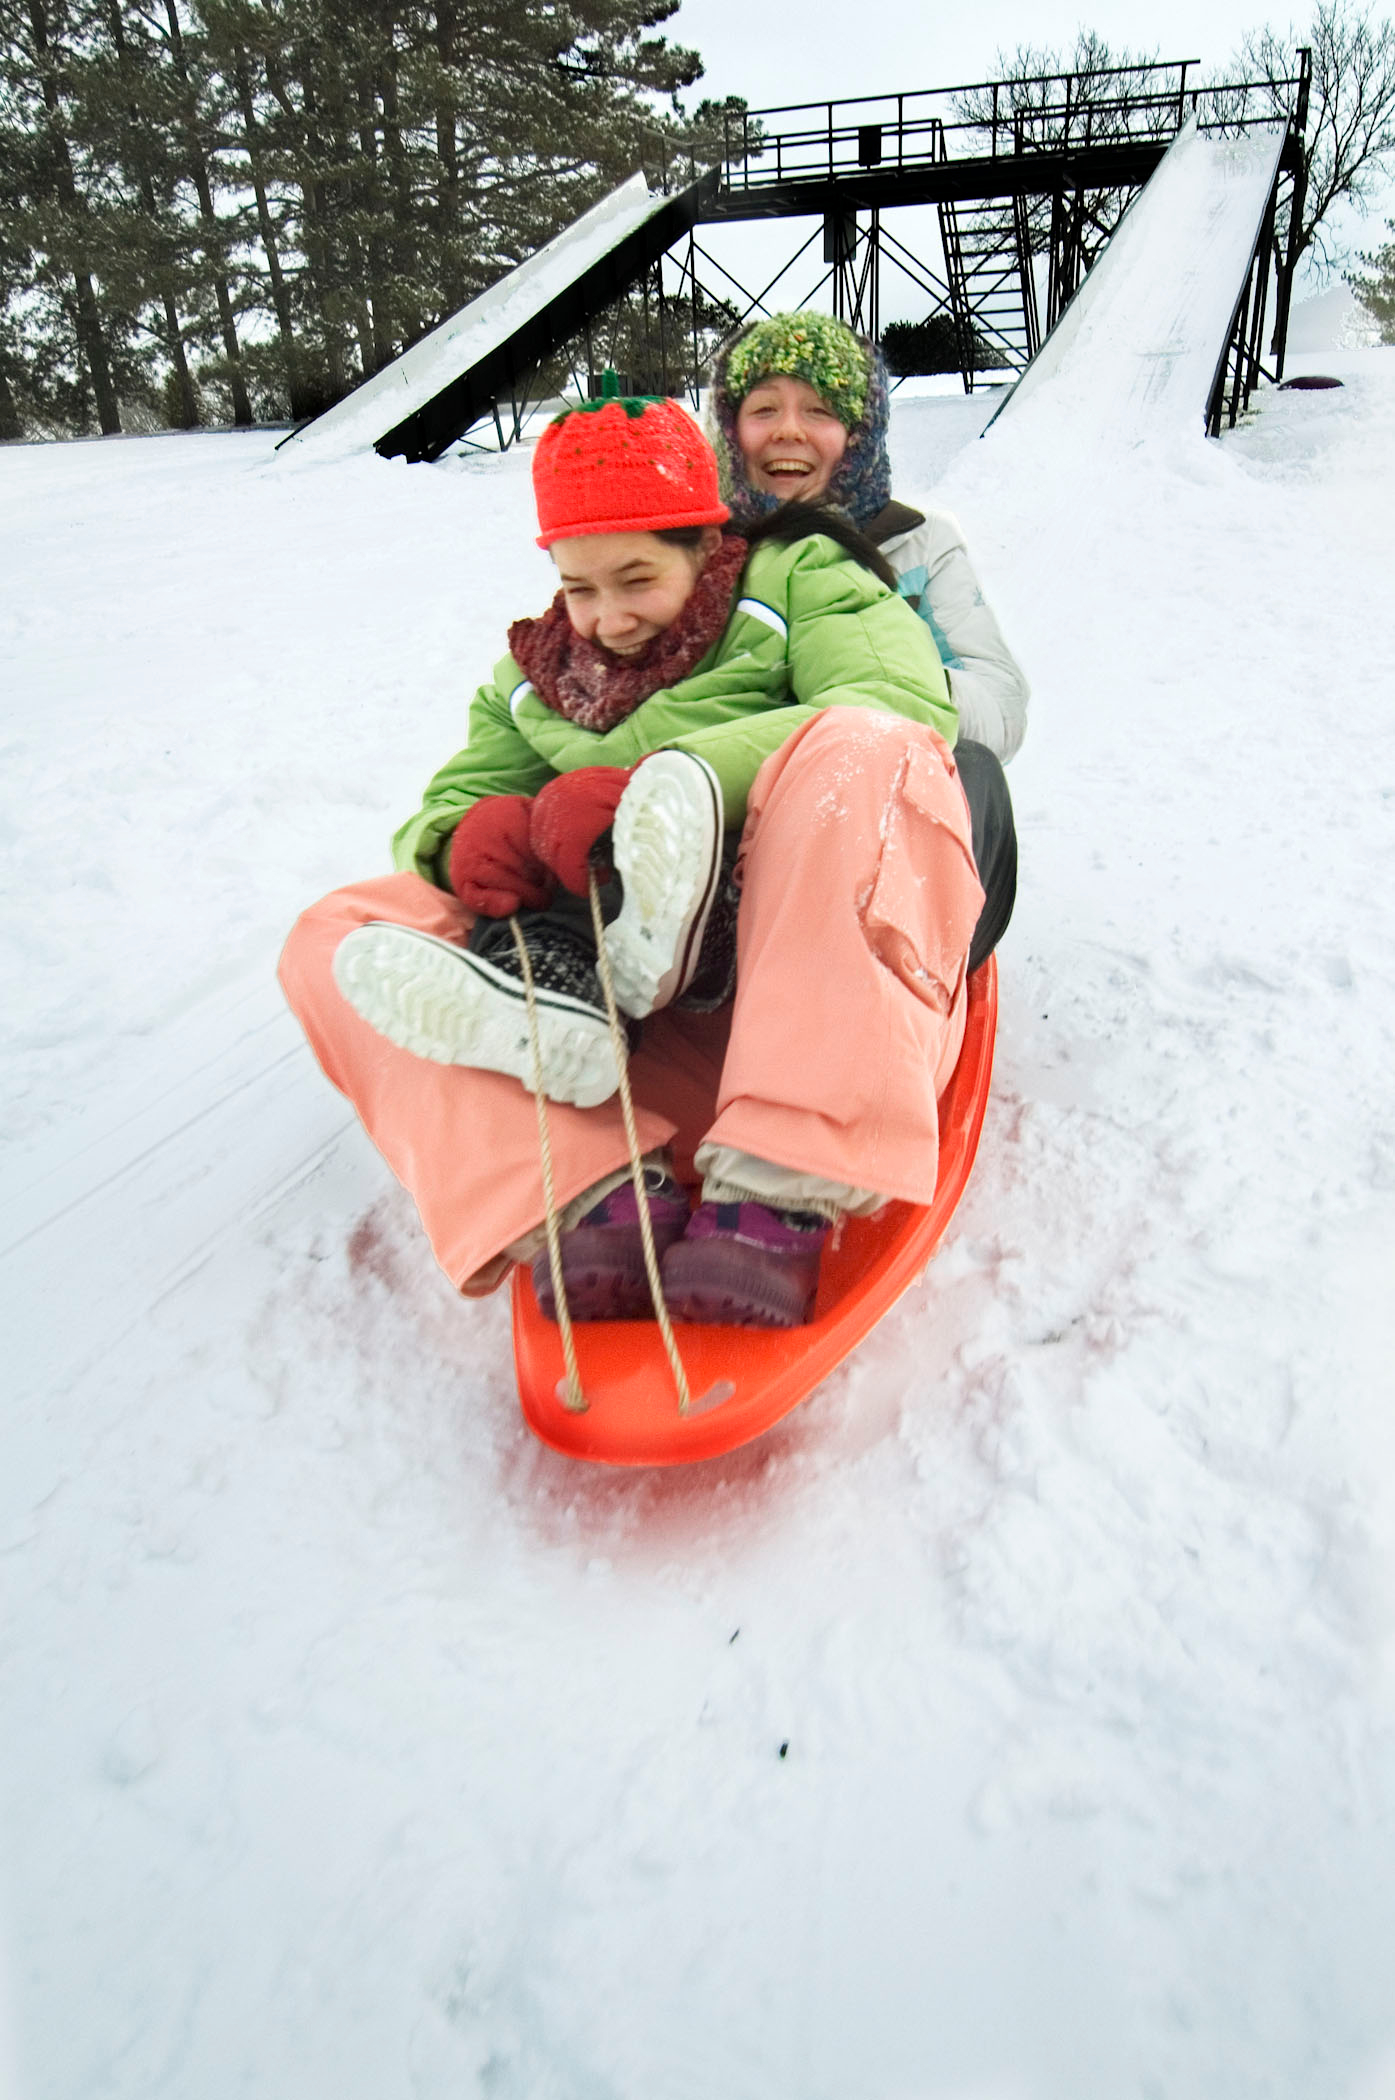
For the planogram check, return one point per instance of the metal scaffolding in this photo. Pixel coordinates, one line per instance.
(1021, 182)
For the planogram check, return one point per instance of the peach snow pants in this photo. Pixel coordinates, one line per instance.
(858, 902)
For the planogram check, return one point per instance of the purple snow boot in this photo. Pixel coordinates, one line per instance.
(603, 1254)
(745, 1265)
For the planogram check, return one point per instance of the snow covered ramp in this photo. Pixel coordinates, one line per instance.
(430, 395)
(1140, 343)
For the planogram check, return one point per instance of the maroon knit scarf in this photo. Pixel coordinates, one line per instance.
(596, 690)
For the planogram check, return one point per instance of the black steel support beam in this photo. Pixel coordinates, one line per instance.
(1117, 166)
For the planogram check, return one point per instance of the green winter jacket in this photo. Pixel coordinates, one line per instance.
(810, 629)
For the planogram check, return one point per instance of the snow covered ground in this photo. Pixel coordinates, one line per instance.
(1017, 1722)
(1331, 320)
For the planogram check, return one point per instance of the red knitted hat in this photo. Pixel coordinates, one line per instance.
(625, 463)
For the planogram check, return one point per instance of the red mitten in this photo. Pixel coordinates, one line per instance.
(493, 868)
(570, 814)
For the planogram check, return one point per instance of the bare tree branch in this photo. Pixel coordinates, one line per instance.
(1350, 142)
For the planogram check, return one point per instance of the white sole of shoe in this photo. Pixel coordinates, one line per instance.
(667, 849)
(452, 1008)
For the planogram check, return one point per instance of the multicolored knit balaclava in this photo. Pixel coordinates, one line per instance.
(623, 463)
(844, 369)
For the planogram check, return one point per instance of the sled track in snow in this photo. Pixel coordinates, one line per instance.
(106, 1218)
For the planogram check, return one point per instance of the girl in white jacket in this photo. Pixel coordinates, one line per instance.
(798, 412)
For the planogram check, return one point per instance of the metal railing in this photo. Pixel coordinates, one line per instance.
(992, 120)
(1045, 112)
(1235, 106)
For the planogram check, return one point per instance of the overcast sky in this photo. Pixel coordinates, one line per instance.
(815, 50)
(809, 51)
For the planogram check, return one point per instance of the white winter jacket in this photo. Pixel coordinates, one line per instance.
(934, 575)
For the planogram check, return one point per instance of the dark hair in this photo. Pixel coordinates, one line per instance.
(689, 536)
(797, 521)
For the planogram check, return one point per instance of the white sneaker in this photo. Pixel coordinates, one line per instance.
(667, 851)
(454, 1008)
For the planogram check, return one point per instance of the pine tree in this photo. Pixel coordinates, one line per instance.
(126, 120)
(15, 276)
(198, 101)
(236, 33)
(278, 196)
(62, 230)
(1375, 286)
(932, 345)
(11, 367)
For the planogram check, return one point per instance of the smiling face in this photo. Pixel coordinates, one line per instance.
(790, 439)
(623, 588)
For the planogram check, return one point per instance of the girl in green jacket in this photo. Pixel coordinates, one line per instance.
(749, 740)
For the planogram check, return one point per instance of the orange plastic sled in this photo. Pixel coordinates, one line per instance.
(743, 1379)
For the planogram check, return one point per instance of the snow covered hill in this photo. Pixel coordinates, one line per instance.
(1017, 1721)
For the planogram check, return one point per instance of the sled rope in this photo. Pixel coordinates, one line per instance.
(574, 1400)
(627, 1110)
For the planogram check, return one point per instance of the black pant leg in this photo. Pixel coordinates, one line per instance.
(995, 843)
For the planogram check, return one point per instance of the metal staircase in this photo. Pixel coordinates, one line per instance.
(992, 291)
